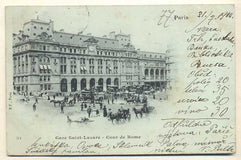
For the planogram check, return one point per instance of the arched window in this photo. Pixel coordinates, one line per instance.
(146, 72)
(63, 85)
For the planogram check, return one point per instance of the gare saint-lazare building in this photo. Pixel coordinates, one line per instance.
(56, 61)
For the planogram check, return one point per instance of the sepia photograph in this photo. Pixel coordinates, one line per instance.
(120, 80)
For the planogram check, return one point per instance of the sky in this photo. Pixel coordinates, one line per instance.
(138, 21)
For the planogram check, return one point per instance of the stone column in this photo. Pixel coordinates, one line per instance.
(87, 83)
(104, 84)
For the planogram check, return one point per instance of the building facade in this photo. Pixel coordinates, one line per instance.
(56, 61)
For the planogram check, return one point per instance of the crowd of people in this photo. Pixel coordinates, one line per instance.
(98, 108)
(111, 106)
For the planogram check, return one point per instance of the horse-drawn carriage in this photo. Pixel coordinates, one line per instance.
(143, 110)
(121, 115)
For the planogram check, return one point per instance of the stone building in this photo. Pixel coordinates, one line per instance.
(56, 61)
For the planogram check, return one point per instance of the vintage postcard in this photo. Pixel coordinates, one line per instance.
(120, 80)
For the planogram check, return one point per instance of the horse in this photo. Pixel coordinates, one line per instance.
(56, 101)
(71, 102)
(138, 111)
(126, 114)
(115, 116)
(130, 100)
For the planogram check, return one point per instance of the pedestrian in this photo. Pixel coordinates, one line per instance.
(54, 97)
(34, 107)
(110, 112)
(108, 101)
(85, 105)
(101, 104)
(36, 100)
(154, 97)
(62, 107)
(48, 98)
(97, 112)
(104, 111)
(89, 111)
(82, 105)
(112, 100)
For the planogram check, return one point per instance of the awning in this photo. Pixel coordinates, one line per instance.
(41, 66)
(49, 67)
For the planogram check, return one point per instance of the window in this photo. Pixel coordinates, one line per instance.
(73, 69)
(41, 28)
(47, 28)
(63, 65)
(60, 36)
(91, 61)
(82, 60)
(34, 34)
(34, 27)
(63, 69)
(45, 87)
(49, 87)
(91, 69)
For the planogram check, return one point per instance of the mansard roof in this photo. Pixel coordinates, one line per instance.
(82, 40)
